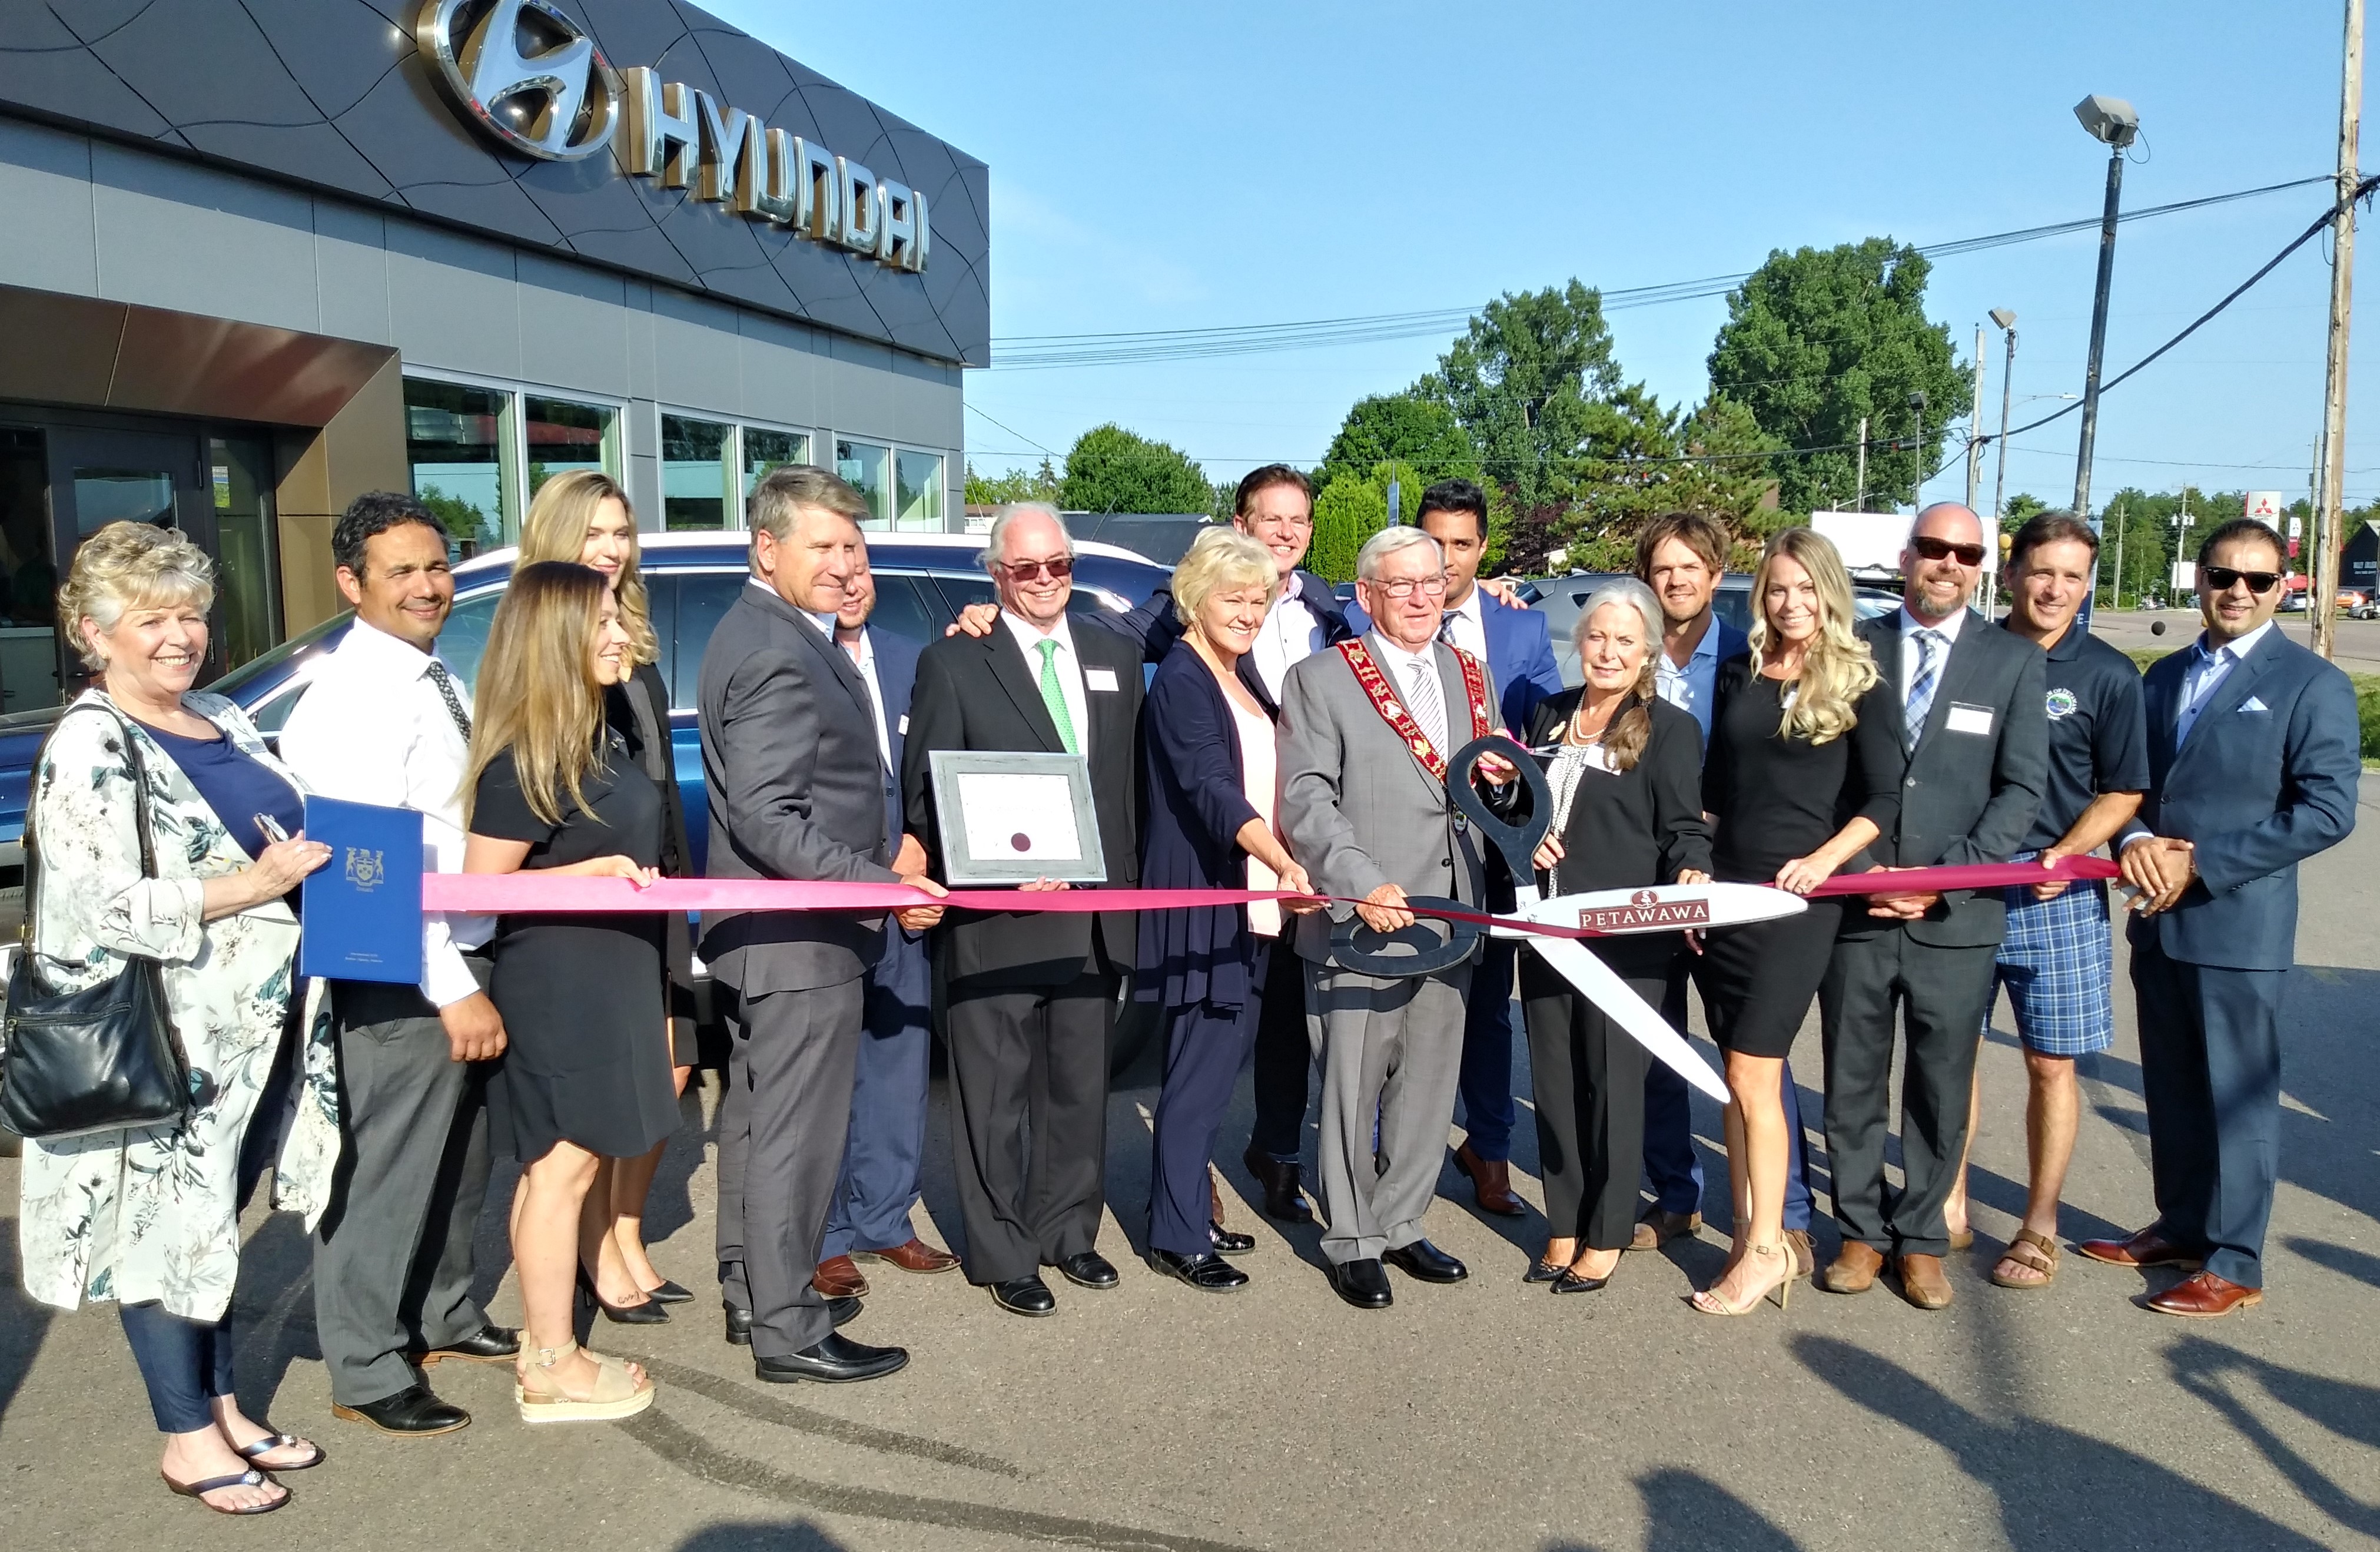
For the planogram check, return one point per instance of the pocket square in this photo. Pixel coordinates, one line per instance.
(2252, 704)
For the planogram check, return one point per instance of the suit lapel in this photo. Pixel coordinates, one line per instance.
(2229, 696)
(839, 666)
(1007, 662)
(1885, 644)
(1957, 672)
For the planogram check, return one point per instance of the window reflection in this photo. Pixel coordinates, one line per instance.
(453, 435)
(694, 474)
(862, 466)
(920, 490)
(563, 436)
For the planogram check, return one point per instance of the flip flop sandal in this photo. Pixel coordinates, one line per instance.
(272, 1442)
(616, 1394)
(250, 1478)
(2034, 1252)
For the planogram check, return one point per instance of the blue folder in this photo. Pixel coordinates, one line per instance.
(362, 919)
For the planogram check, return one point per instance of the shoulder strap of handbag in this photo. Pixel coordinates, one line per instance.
(140, 816)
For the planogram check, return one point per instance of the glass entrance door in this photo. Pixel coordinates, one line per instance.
(98, 478)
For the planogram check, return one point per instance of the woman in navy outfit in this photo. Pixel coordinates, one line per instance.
(1207, 768)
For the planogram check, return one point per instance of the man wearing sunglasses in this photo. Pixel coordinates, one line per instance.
(1031, 996)
(2253, 757)
(1975, 743)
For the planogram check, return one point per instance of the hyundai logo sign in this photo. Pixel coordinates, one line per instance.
(528, 75)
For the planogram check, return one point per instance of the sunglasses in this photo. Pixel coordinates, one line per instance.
(2220, 578)
(1058, 569)
(1942, 549)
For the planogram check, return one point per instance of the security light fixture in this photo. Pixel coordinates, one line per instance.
(2108, 120)
(2003, 317)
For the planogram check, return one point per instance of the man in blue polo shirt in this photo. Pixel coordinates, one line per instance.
(2058, 960)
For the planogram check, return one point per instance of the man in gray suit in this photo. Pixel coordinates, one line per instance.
(1976, 738)
(796, 789)
(1366, 730)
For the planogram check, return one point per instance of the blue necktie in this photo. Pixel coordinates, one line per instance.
(1921, 690)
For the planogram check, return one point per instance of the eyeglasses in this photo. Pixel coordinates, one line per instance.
(1942, 549)
(2220, 578)
(1405, 587)
(1059, 568)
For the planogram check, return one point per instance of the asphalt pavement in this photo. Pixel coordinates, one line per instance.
(1487, 1415)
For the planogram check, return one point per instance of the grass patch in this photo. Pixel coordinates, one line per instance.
(2367, 696)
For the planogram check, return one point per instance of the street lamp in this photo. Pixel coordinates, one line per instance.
(2111, 122)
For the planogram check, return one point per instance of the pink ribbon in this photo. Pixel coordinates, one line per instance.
(1970, 876)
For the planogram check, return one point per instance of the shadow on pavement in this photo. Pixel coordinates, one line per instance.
(2345, 1260)
(2057, 1488)
(2345, 1408)
(791, 1535)
(1686, 1511)
(23, 1323)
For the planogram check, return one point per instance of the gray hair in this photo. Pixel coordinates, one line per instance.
(995, 541)
(784, 491)
(1627, 592)
(1387, 542)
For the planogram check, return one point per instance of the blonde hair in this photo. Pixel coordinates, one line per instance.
(1220, 558)
(131, 565)
(1837, 667)
(1631, 729)
(555, 529)
(537, 693)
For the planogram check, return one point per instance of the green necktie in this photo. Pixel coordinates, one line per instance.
(1054, 697)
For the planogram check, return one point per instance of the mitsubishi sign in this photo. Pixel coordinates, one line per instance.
(528, 76)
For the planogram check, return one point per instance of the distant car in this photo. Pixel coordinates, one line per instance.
(2352, 599)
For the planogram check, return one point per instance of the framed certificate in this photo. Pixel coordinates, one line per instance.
(1012, 818)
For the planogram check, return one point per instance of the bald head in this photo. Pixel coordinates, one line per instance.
(1942, 563)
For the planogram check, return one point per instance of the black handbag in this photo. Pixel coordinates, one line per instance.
(102, 1060)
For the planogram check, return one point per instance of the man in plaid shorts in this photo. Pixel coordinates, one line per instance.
(2057, 960)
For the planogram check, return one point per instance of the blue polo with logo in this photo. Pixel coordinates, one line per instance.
(2099, 733)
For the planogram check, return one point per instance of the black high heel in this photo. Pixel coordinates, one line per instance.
(650, 1313)
(670, 1293)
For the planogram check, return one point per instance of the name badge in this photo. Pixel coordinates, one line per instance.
(1098, 679)
(905, 724)
(1969, 719)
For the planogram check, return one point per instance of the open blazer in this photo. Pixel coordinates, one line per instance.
(154, 1214)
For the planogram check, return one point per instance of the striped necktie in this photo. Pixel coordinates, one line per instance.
(1428, 708)
(1921, 688)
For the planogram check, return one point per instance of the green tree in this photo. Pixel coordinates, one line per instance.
(1520, 382)
(1407, 428)
(1111, 469)
(1016, 485)
(1354, 507)
(1816, 340)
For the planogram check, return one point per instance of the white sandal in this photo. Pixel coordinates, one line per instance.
(617, 1393)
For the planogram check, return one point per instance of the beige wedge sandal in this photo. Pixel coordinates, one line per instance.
(617, 1392)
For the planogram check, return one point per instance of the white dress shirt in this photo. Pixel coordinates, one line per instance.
(863, 654)
(1911, 656)
(1465, 624)
(1403, 667)
(2209, 667)
(1029, 637)
(372, 728)
(1291, 633)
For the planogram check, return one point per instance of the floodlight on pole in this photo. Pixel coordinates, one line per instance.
(2111, 122)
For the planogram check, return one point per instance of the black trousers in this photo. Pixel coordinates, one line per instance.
(1590, 1107)
(2211, 1072)
(1205, 1044)
(1940, 995)
(1029, 1091)
(1284, 1057)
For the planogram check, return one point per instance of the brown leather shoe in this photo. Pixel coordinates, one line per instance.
(1491, 1183)
(1854, 1268)
(2150, 1247)
(1804, 1249)
(837, 1279)
(2204, 1296)
(913, 1254)
(1922, 1283)
(1659, 1226)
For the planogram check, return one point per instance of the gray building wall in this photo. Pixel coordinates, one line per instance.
(90, 217)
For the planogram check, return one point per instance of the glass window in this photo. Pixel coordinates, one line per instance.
(920, 490)
(452, 439)
(562, 436)
(904, 608)
(247, 570)
(862, 466)
(766, 449)
(694, 474)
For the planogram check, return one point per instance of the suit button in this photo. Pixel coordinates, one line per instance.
(1912, 780)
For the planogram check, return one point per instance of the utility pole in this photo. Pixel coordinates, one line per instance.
(2006, 318)
(1859, 499)
(2342, 287)
(2119, 552)
(1975, 430)
(2111, 122)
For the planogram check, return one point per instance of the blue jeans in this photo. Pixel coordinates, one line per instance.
(183, 1362)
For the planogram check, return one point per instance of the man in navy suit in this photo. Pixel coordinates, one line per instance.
(879, 1186)
(2253, 764)
(1519, 653)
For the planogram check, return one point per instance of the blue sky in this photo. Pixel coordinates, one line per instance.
(1224, 164)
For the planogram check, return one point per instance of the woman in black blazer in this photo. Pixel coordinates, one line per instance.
(1626, 772)
(1207, 775)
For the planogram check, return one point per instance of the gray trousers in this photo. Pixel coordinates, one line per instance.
(1391, 1049)
(782, 1123)
(1941, 995)
(392, 1251)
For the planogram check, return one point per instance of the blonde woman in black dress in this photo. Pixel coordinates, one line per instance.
(1803, 774)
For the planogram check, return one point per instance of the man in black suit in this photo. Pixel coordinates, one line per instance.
(1031, 996)
(1976, 735)
(796, 789)
(2252, 768)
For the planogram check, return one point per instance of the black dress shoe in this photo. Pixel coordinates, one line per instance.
(670, 1293)
(1026, 1296)
(645, 1312)
(1089, 1269)
(412, 1413)
(1209, 1273)
(1540, 1271)
(833, 1359)
(1362, 1283)
(489, 1344)
(739, 1321)
(845, 1310)
(1226, 1242)
(1425, 1262)
(1282, 1198)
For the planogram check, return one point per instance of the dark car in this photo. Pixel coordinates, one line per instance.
(922, 581)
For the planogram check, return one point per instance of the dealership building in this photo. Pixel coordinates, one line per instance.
(257, 258)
